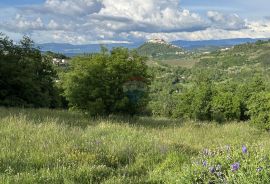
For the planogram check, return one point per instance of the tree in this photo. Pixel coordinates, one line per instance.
(183, 107)
(26, 78)
(246, 91)
(226, 107)
(259, 110)
(105, 83)
(195, 103)
(201, 105)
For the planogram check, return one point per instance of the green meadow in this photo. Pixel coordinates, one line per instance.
(57, 146)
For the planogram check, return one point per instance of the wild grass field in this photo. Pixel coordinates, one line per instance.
(51, 146)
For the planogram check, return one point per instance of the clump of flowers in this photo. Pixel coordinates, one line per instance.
(230, 164)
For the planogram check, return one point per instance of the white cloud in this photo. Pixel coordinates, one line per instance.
(150, 16)
(22, 24)
(90, 21)
(226, 21)
(53, 25)
(254, 30)
(71, 7)
(59, 36)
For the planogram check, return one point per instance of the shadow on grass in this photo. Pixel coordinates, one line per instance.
(73, 119)
(77, 119)
(146, 122)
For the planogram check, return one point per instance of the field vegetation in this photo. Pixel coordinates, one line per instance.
(56, 146)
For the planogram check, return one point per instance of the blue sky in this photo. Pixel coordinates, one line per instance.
(20, 2)
(113, 21)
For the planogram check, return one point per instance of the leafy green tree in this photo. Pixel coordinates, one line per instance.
(226, 107)
(201, 105)
(183, 107)
(165, 87)
(195, 103)
(105, 83)
(162, 102)
(26, 78)
(259, 110)
(246, 91)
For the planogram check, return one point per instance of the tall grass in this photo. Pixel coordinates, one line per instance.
(53, 146)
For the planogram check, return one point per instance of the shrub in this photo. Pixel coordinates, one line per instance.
(195, 103)
(183, 107)
(201, 105)
(106, 83)
(259, 110)
(226, 107)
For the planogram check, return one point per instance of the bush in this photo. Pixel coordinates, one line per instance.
(162, 105)
(226, 107)
(259, 110)
(183, 105)
(195, 103)
(106, 83)
(201, 105)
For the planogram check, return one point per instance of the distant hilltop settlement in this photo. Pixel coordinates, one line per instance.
(158, 40)
(161, 41)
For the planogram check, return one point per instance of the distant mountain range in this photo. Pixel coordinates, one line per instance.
(71, 50)
(190, 45)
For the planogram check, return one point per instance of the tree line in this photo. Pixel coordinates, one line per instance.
(26, 77)
(97, 84)
(120, 82)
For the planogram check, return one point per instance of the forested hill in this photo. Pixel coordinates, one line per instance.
(239, 57)
(160, 50)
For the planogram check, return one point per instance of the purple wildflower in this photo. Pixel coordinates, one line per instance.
(235, 166)
(204, 163)
(244, 149)
(212, 169)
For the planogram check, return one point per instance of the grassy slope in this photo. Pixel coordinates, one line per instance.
(43, 146)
